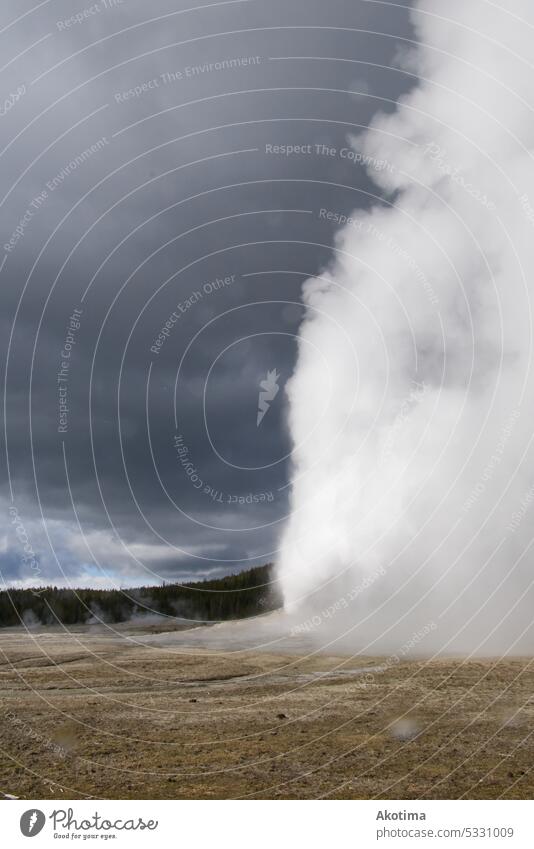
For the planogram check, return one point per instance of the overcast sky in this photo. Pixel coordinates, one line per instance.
(156, 232)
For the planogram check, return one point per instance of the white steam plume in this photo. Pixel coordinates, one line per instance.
(411, 406)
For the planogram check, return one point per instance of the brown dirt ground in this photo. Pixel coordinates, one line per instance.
(98, 716)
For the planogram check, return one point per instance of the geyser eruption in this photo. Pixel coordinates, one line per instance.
(411, 406)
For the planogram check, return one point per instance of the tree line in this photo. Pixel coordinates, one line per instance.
(235, 596)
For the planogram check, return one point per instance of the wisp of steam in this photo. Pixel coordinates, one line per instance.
(411, 404)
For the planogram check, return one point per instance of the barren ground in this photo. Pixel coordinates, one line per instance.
(95, 714)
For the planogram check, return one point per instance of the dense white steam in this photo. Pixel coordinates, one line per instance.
(411, 406)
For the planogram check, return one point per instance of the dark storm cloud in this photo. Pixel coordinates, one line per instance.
(163, 173)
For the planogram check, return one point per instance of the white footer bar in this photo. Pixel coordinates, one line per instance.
(269, 824)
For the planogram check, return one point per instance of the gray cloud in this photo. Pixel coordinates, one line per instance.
(144, 160)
